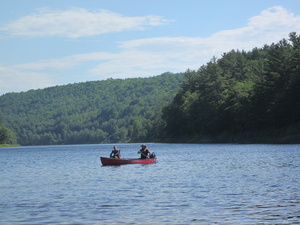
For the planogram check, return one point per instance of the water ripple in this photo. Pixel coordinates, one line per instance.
(221, 184)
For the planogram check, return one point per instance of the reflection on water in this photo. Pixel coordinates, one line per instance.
(190, 184)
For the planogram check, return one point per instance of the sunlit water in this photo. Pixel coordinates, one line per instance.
(189, 184)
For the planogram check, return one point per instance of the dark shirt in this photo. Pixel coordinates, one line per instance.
(144, 153)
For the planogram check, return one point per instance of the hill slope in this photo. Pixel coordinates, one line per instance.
(113, 110)
(242, 97)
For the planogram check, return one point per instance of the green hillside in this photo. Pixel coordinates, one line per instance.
(7, 137)
(242, 97)
(113, 110)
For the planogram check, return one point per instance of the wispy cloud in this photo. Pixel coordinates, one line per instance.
(78, 22)
(17, 80)
(65, 62)
(270, 26)
(153, 56)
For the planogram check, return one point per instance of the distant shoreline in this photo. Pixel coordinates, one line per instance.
(9, 145)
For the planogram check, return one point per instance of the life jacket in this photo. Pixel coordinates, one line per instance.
(114, 154)
(144, 153)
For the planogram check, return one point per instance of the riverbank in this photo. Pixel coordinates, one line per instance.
(9, 145)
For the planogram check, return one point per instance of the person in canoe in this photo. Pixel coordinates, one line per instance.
(145, 152)
(115, 153)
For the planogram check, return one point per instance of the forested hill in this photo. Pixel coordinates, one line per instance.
(242, 97)
(113, 110)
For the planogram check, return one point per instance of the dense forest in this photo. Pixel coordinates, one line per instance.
(241, 97)
(108, 111)
(244, 97)
(6, 135)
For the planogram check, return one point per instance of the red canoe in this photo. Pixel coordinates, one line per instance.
(116, 162)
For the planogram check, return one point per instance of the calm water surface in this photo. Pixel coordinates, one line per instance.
(190, 184)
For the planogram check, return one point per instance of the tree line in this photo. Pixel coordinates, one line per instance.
(108, 111)
(7, 136)
(241, 97)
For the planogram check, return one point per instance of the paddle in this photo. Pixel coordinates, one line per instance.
(143, 154)
(153, 153)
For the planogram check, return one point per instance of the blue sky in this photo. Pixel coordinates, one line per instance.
(55, 42)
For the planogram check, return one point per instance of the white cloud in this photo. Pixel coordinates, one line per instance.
(78, 22)
(12, 80)
(269, 27)
(275, 16)
(153, 56)
(65, 62)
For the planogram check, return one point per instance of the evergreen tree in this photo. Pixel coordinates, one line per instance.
(239, 94)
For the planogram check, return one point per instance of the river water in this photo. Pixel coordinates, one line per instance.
(189, 184)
